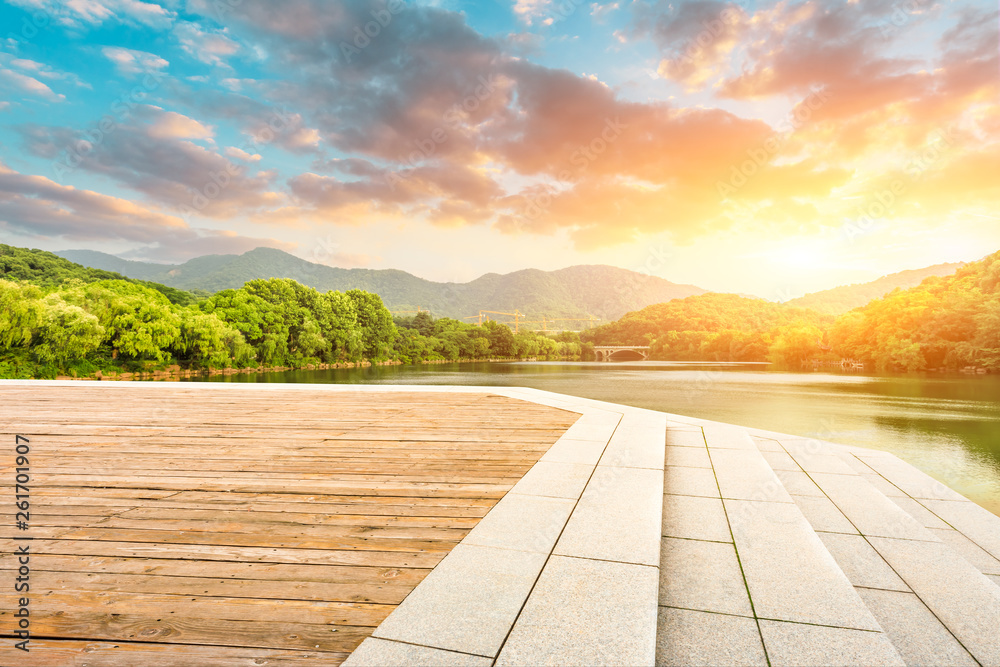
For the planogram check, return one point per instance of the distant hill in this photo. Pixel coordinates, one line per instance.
(605, 292)
(46, 269)
(840, 300)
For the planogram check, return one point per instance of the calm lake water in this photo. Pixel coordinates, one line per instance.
(948, 426)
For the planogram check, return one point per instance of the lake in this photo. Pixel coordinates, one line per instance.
(946, 425)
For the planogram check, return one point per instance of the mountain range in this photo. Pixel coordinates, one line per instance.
(840, 300)
(599, 291)
(604, 292)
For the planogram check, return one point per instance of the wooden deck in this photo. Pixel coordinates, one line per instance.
(247, 526)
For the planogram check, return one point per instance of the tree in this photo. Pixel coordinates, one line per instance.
(795, 345)
(378, 332)
(67, 332)
(261, 323)
(341, 327)
(20, 313)
(501, 339)
(139, 322)
(208, 342)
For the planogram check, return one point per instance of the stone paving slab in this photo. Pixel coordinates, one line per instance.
(871, 512)
(767, 445)
(823, 515)
(969, 550)
(568, 619)
(685, 438)
(884, 486)
(594, 431)
(699, 639)
(853, 463)
(375, 652)
(556, 480)
(780, 460)
(924, 516)
(798, 483)
(467, 603)
(745, 475)
(973, 521)
(637, 445)
(522, 523)
(723, 436)
(790, 574)
(618, 518)
(693, 518)
(799, 645)
(961, 597)
(704, 576)
(915, 632)
(687, 456)
(682, 481)
(908, 479)
(568, 450)
(861, 564)
(821, 463)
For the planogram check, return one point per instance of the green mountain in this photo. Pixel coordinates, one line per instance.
(605, 292)
(840, 300)
(46, 269)
(946, 322)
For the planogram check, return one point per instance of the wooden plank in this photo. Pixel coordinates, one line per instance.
(67, 653)
(209, 552)
(378, 592)
(228, 569)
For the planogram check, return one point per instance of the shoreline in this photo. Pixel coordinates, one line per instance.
(176, 373)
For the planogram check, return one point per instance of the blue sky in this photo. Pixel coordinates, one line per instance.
(774, 148)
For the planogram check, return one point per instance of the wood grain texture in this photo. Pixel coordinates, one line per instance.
(178, 526)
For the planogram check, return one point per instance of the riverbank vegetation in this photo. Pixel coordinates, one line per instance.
(950, 322)
(59, 318)
(80, 328)
(423, 338)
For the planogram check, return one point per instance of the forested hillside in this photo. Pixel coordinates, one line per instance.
(948, 322)
(605, 292)
(840, 300)
(57, 317)
(47, 269)
(719, 327)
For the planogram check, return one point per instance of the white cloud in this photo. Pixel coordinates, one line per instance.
(530, 10)
(30, 85)
(172, 125)
(79, 14)
(43, 71)
(600, 10)
(241, 154)
(211, 48)
(129, 61)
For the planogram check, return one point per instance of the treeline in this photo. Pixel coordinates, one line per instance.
(719, 327)
(45, 269)
(423, 338)
(946, 322)
(80, 328)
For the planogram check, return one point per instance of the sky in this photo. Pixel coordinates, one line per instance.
(765, 148)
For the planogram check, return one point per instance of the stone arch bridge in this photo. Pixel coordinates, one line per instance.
(605, 352)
